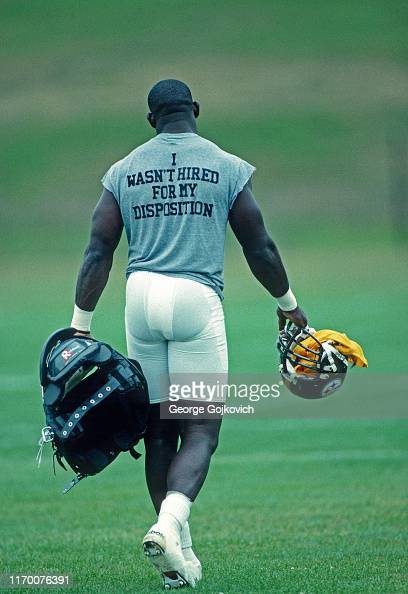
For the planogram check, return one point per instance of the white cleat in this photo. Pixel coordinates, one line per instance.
(195, 570)
(164, 552)
(173, 583)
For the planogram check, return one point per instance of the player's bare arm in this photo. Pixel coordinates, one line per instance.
(106, 230)
(261, 252)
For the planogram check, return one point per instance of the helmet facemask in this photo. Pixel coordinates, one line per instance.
(309, 368)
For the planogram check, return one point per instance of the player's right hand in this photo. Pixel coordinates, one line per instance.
(297, 316)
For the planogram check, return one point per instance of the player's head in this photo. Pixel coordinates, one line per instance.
(170, 99)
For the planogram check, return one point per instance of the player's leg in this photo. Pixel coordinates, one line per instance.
(161, 446)
(189, 468)
(204, 356)
(147, 306)
(149, 347)
(199, 348)
(161, 442)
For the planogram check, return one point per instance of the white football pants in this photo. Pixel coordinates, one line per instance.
(173, 325)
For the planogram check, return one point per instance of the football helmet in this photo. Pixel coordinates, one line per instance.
(309, 368)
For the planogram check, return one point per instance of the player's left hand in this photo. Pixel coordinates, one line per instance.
(297, 316)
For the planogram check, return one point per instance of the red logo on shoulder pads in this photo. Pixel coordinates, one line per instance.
(66, 355)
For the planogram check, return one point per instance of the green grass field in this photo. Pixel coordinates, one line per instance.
(310, 93)
(310, 506)
(289, 506)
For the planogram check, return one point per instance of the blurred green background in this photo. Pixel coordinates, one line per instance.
(311, 93)
(315, 95)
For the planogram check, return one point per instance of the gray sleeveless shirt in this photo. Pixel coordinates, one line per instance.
(175, 193)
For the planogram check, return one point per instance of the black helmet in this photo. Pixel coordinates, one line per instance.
(314, 370)
(95, 402)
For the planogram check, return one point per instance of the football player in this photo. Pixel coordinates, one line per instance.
(174, 195)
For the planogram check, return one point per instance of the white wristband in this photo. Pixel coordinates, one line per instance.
(81, 319)
(288, 301)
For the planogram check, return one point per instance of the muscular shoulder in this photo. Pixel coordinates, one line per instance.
(221, 153)
(229, 163)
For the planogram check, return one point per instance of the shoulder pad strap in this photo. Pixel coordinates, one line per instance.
(99, 396)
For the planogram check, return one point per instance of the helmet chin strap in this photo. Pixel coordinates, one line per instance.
(329, 349)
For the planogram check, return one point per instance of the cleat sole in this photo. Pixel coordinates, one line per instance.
(174, 584)
(152, 549)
